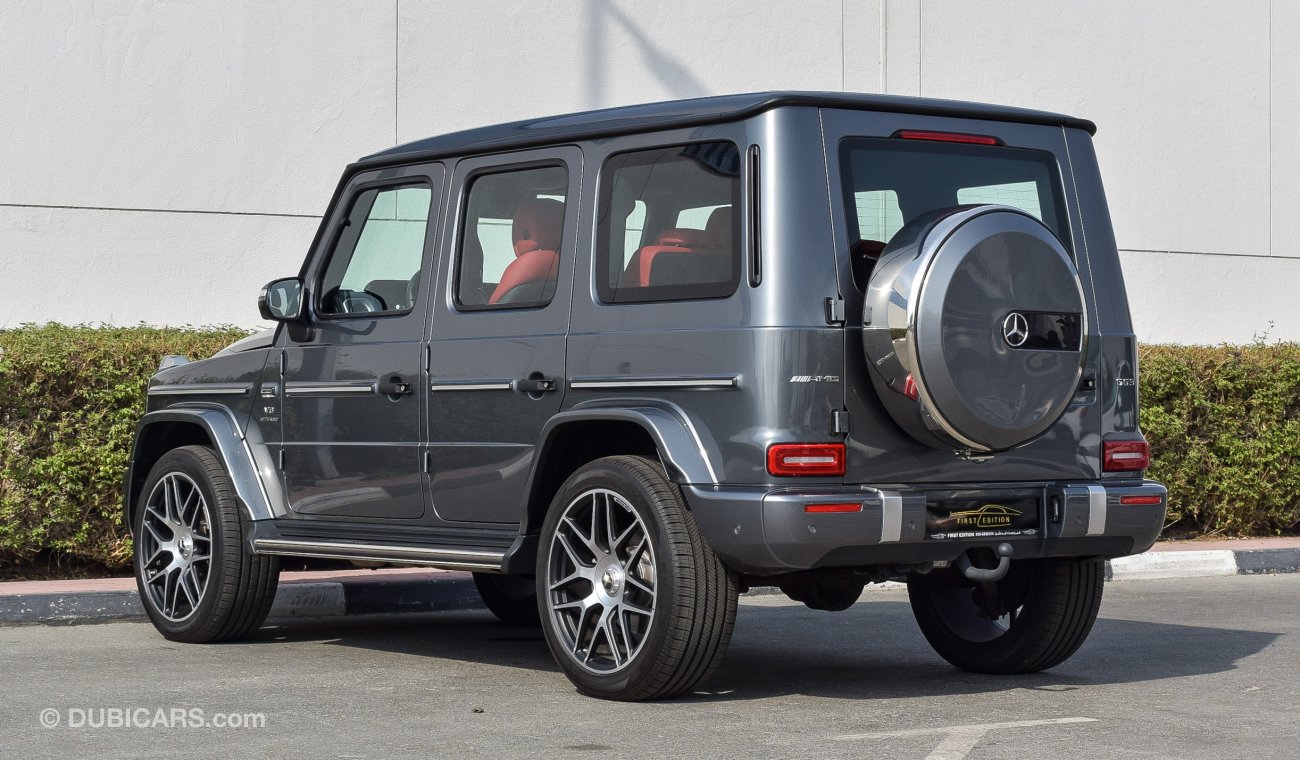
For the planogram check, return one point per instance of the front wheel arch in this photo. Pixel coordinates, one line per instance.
(152, 442)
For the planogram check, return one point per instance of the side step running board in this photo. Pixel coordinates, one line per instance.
(454, 559)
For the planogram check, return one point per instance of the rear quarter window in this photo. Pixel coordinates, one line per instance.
(669, 224)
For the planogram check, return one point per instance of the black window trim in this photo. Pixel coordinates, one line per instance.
(462, 213)
(697, 292)
(317, 279)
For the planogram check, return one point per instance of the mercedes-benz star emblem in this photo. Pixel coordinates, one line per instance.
(1015, 329)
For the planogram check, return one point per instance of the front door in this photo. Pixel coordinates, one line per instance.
(499, 324)
(353, 385)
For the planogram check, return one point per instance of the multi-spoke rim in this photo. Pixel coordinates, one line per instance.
(601, 581)
(175, 546)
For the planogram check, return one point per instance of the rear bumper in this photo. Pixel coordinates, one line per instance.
(767, 531)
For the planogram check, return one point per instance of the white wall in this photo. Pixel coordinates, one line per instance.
(159, 161)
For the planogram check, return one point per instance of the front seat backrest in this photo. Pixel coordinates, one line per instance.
(537, 229)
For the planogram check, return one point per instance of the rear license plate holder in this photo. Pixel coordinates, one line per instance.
(980, 515)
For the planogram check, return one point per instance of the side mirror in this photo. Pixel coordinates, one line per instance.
(281, 300)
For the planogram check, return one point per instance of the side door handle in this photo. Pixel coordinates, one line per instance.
(535, 384)
(395, 387)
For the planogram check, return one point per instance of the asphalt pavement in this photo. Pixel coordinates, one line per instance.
(1181, 668)
(412, 590)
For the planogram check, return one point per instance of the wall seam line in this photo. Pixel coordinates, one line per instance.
(52, 206)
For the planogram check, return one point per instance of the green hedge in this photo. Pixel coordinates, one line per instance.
(1224, 425)
(69, 401)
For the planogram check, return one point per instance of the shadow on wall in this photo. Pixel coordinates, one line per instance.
(604, 18)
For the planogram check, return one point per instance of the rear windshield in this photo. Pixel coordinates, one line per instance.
(891, 181)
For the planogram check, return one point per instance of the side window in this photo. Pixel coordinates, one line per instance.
(669, 226)
(375, 265)
(509, 250)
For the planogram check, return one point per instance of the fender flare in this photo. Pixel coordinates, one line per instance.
(250, 466)
(689, 456)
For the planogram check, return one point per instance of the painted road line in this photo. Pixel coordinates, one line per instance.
(958, 741)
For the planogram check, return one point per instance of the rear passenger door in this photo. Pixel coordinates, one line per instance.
(497, 352)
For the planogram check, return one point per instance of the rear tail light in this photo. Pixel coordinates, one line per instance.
(1125, 456)
(954, 137)
(1134, 500)
(805, 459)
(824, 509)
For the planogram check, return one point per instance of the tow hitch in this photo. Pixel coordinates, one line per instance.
(983, 575)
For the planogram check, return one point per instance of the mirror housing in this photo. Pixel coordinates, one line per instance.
(281, 300)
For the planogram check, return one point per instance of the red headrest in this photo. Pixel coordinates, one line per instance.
(679, 236)
(539, 223)
(718, 231)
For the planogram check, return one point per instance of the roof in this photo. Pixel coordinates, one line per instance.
(693, 112)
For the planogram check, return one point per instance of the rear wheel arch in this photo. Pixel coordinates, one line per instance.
(571, 444)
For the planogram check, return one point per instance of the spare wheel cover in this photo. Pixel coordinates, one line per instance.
(996, 327)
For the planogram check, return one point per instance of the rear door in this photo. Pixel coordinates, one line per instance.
(497, 354)
(880, 180)
(353, 392)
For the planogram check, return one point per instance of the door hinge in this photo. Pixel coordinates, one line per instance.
(284, 361)
(835, 311)
(427, 463)
(428, 358)
(281, 458)
(840, 422)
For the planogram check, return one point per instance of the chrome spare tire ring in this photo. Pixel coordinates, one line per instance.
(601, 587)
(175, 546)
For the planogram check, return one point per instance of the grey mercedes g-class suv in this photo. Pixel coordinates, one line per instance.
(625, 364)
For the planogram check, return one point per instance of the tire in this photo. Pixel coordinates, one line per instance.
(648, 618)
(187, 507)
(512, 598)
(1055, 603)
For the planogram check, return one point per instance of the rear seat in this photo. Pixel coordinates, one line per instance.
(671, 240)
(677, 244)
(707, 260)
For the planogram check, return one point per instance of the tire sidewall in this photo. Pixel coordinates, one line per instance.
(186, 461)
(604, 475)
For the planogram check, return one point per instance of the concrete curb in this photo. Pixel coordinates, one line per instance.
(1200, 564)
(333, 595)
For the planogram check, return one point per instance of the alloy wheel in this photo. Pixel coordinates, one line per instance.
(176, 546)
(601, 588)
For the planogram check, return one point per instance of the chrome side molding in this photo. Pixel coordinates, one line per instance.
(311, 389)
(438, 386)
(646, 382)
(201, 389)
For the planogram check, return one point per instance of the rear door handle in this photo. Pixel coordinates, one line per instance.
(394, 387)
(535, 384)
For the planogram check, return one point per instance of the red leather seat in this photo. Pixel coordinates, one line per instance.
(537, 229)
(679, 236)
(670, 240)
